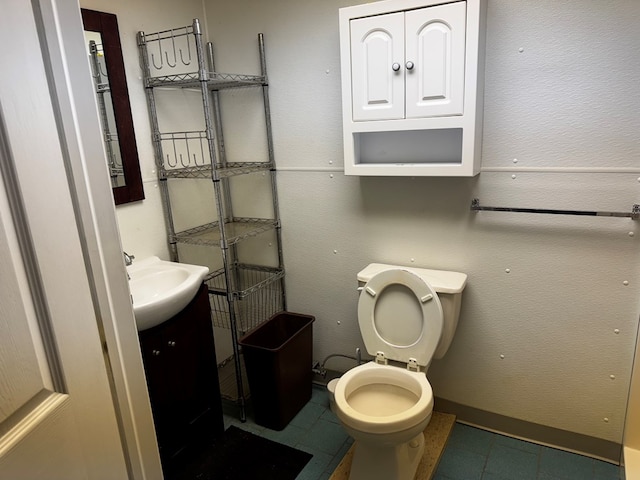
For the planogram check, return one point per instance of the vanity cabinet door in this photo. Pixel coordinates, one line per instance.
(182, 377)
(191, 371)
(377, 67)
(159, 395)
(435, 51)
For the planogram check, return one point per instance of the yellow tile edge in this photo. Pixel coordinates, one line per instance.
(631, 463)
(436, 435)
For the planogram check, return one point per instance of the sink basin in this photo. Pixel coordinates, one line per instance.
(161, 289)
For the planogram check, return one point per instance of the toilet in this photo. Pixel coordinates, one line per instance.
(407, 317)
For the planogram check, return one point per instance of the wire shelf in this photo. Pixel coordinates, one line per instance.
(223, 171)
(186, 155)
(173, 50)
(184, 150)
(215, 80)
(258, 296)
(236, 230)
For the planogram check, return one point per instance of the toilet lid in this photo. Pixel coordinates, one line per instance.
(400, 315)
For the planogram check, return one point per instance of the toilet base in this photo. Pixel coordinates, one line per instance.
(374, 462)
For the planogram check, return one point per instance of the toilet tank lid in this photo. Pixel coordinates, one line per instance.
(442, 281)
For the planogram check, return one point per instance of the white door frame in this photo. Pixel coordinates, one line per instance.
(78, 123)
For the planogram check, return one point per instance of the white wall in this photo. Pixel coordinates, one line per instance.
(567, 100)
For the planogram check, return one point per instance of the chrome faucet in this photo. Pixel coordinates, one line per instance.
(128, 259)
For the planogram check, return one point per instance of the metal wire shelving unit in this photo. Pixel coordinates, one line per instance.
(241, 295)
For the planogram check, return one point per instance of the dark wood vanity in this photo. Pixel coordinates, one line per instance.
(180, 364)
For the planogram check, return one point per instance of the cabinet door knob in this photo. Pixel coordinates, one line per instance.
(156, 352)
(171, 343)
(409, 65)
(395, 67)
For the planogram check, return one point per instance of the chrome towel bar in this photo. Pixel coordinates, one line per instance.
(634, 214)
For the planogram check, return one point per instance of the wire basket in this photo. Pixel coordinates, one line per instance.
(257, 296)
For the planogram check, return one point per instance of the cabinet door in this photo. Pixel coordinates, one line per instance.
(435, 44)
(180, 363)
(191, 371)
(377, 43)
(153, 356)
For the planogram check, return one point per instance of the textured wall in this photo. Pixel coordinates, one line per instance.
(538, 343)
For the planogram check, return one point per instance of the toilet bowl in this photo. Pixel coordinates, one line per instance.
(386, 404)
(383, 400)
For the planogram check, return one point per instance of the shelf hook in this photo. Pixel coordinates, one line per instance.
(166, 55)
(175, 57)
(186, 31)
(153, 59)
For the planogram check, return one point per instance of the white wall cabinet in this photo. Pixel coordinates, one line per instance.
(412, 87)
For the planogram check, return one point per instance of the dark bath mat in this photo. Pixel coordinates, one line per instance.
(240, 455)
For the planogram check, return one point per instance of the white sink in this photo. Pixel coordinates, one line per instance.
(160, 289)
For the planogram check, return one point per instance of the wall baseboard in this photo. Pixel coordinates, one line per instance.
(532, 432)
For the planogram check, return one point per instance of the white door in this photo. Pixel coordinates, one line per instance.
(434, 60)
(57, 416)
(377, 67)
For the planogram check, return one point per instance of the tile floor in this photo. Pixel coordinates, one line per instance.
(471, 454)
(474, 454)
(315, 430)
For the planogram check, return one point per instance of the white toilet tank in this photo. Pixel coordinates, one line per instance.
(448, 286)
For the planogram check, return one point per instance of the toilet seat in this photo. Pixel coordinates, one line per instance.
(400, 317)
(381, 383)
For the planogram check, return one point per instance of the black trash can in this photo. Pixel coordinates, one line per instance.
(277, 356)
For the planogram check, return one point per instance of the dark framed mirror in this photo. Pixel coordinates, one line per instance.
(107, 65)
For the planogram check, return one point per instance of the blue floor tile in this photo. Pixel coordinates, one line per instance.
(291, 435)
(494, 476)
(509, 462)
(472, 439)
(517, 444)
(320, 396)
(460, 464)
(315, 469)
(308, 415)
(606, 471)
(329, 416)
(564, 465)
(338, 458)
(327, 437)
